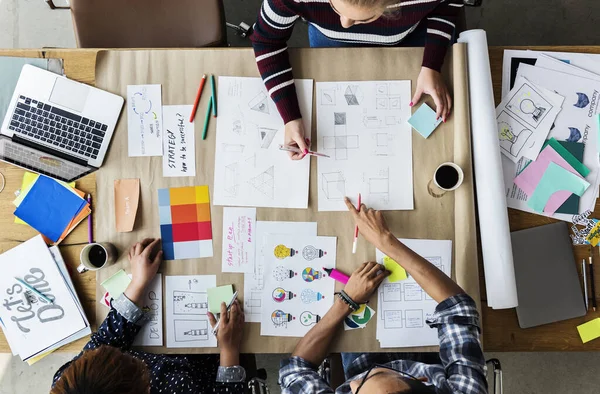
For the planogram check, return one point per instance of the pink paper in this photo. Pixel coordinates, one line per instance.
(529, 178)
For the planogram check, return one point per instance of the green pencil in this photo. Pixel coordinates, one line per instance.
(214, 96)
(207, 118)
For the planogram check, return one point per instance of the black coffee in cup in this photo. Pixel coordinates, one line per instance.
(447, 177)
(97, 256)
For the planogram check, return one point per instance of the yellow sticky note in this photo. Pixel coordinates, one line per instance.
(589, 330)
(397, 272)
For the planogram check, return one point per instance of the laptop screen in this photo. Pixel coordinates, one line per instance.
(43, 163)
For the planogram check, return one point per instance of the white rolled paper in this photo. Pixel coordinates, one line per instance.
(489, 181)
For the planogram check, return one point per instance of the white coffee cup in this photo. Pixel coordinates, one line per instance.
(95, 256)
(448, 176)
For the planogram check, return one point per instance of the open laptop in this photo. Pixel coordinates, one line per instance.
(58, 127)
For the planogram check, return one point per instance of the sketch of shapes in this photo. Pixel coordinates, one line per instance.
(382, 103)
(251, 161)
(353, 95)
(392, 292)
(232, 182)
(281, 273)
(328, 97)
(339, 118)
(392, 319)
(266, 136)
(529, 106)
(412, 292)
(333, 185)
(391, 120)
(310, 253)
(414, 318)
(373, 122)
(189, 303)
(253, 304)
(260, 103)
(379, 185)
(308, 296)
(310, 274)
(308, 318)
(191, 330)
(280, 318)
(395, 102)
(383, 144)
(265, 182)
(232, 148)
(340, 145)
(381, 89)
(280, 295)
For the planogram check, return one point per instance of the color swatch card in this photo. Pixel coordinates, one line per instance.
(144, 120)
(239, 241)
(179, 145)
(297, 292)
(185, 225)
(186, 304)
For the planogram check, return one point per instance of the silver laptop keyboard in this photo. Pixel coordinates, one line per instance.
(55, 126)
(46, 166)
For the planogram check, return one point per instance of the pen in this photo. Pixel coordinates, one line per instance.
(296, 150)
(207, 118)
(34, 290)
(355, 243)
(584, 284)
(200, 88)
(214, 96)
(214, 331)
(337, 275)
(90, 224)
(593, 284)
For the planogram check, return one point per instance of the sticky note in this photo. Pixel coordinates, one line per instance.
(555, 179)
(29, 179)
(563, 151)
(117, 284)
(397, 272)
(589, 330)
(49, 207)
(424, 120)
(216, 295)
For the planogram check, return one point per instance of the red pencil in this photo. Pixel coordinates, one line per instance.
(355, 243)
(193, 114)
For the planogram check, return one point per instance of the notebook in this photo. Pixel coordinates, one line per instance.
(548, 286)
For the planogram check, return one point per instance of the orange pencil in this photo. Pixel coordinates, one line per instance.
(193, 114)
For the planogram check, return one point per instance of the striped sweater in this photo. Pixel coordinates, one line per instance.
(277, 18)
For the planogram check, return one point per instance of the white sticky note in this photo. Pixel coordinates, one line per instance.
(144, 120)
(239, 242)
(179, 145)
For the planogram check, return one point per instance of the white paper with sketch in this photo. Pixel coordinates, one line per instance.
(404, 307)
(254, 282)
(151, 333)
(363, 127)
(239, 240)
(250, 170)
(179, 145)
(525, 117)
(297, 291)
(187, 304)
(144, 120)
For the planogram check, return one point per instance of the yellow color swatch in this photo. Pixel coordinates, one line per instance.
(202, 195)
(397, 272)
(589, 330)
(182, 195)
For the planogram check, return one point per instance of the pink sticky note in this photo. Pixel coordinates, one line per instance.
(529, 178)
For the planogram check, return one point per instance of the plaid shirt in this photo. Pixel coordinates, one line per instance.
(463, 367)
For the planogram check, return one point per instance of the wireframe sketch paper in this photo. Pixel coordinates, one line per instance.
(525, 118)
(254, 283)
(250, 170)
(363, 127)
(179, 145)
(404, 306)
(239, 239)
(297, 291)
(151, 333)
(144, 120)
(186, 302)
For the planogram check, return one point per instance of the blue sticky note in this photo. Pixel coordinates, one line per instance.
(423, 120)
(49, 207)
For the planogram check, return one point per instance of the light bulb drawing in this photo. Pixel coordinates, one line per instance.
(528, 107)
(512, 136)
(310, 253)
(282, 252)
(308, 296)
(280, 318)
(280, 295)
(506, 132)
(281, 273)
(309, 274)
(308, 318)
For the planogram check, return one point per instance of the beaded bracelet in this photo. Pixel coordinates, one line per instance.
(348, 301)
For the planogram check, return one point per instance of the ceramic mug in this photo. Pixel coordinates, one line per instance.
(95, 256)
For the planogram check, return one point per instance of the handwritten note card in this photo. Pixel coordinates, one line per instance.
(239, 239)
(144, 120)
(179, 145)
(151, 334)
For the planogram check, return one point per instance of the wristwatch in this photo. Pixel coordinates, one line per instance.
(231, 374)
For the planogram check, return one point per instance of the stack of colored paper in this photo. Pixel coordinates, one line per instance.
(51, 207)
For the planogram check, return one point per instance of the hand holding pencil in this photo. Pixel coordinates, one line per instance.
(371, 224)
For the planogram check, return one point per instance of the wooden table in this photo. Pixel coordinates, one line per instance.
(502, 332)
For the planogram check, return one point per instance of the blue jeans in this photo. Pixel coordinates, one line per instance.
(318, 40)
(383, 358)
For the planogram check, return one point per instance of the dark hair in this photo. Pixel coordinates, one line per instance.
(105, 370)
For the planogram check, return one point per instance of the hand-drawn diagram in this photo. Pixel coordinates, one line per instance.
(412, 292)
(260, 103)
(280, 295)
(282, 252)
(334, 185)
(191, 330)
(233, 148)
(251, 161)
(189, 303)
(232, 181)
(280, 318)
(414, 318)
(281, 273)
(379, 185)
(392, 319)
(328, 97)
(308, 318)
(266, 136)
(383, 144)
(387, 97)
(353, 95)
(252, 305)
(309, 274)
(310, 253)
(265, 182)
(512, 140)
(340, 145)
(308, 296)
(392, 292)
(529, 106)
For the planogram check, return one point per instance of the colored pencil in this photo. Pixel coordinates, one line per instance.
(207, 118)
(355, 243)
(197, 101)
(34, 290)
(214, 95)
(585, 293)
(592, 284)
(297, 150)
(90, 224)
(228, 308)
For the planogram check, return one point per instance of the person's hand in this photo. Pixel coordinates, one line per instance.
(432, 83)
(145, 258)
(371, 224)
(229, 333)
(294, 137)
(364, 281)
